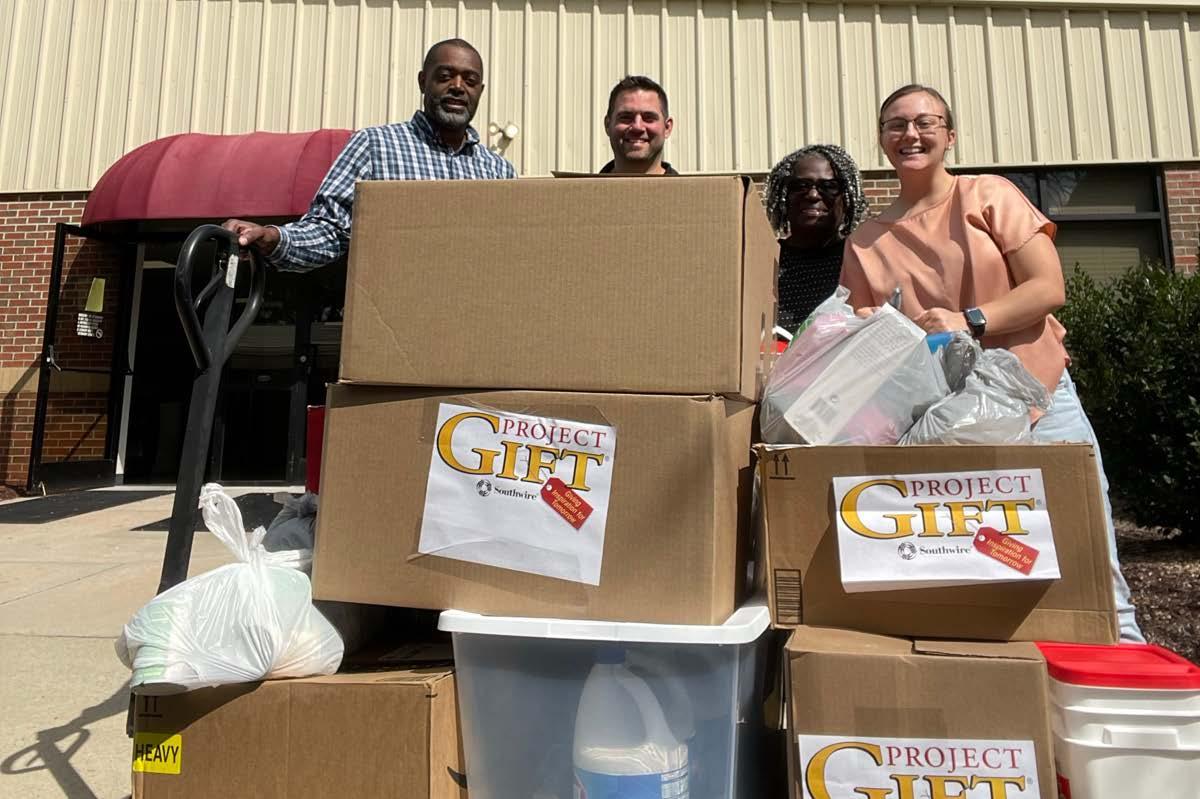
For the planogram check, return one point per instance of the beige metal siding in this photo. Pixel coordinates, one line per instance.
(86, 81)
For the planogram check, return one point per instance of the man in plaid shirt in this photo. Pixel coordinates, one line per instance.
(438, 143)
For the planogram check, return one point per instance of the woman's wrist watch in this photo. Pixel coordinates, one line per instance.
(976, 322)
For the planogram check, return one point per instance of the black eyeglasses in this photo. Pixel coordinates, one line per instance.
(826, 188)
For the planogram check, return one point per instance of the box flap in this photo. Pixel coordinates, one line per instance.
(402, 676)
(1012, 650)
(832, 640)
(760, 259)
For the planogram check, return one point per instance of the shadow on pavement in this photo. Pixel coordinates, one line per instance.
(57, 745)
(257, 509)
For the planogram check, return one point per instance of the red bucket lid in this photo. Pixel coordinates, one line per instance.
(1142, 666)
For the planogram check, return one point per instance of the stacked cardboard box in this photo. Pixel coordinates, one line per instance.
(546, 398)
(931, 689)
(895, 718)
(386, 726)
(545, 409)
(802, 568)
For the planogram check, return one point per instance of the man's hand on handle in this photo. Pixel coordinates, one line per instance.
(263, 239)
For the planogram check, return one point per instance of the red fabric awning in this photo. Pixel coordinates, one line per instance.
(200, 176)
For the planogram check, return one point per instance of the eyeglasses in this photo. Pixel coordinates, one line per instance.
(826, 188)
(925, 123)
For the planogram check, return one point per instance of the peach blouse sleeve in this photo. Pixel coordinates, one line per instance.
(1011, 219)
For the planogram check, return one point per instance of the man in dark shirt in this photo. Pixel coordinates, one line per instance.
(638, 124)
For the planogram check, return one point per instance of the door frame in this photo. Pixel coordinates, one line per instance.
(78, 474)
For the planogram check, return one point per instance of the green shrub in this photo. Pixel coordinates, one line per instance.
(1135, 349)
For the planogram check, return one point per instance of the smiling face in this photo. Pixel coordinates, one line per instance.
(816, 201)
(637, 127)
(914, 133)
(452, 85)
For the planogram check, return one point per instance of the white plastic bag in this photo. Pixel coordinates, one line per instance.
(993, 406)
(243, 622)
(850, 380)
(295, 529)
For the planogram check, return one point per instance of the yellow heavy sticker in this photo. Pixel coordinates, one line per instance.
(157, 752)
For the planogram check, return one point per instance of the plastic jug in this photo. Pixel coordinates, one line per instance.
(624, 748)
(659, 673)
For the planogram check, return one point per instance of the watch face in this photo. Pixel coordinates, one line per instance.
(976, 319)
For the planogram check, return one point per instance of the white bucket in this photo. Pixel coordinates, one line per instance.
(1126, 721)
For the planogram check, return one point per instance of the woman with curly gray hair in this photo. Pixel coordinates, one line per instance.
(814, 201)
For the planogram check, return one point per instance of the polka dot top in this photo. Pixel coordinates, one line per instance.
(806, 279)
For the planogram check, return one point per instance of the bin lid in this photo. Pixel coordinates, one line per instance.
(1143, 666)
(745, 625)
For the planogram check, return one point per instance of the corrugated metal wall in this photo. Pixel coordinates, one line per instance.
(85, 81)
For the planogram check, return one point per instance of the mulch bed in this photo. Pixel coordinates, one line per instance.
(1163, 571)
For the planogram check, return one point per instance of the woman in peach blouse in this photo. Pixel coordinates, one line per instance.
(973, 254)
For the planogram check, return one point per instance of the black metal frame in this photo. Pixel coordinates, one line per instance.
(47, 364)
(211, 342)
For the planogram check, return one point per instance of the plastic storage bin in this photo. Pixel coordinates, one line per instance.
(520, 681)
(1126, 721)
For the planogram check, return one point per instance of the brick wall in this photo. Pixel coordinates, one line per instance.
(76, 418)
(1183, 213)
(880, 188)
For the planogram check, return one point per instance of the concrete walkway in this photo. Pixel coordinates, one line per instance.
(66, 589)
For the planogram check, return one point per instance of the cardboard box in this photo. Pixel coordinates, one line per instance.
(802, 572)
(650, 286)
(675, 540)
(943, 717)
(390, 732)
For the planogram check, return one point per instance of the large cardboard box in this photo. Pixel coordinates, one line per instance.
(651, 286)
(675, 540)
(896, 719)
(391, 732)
(802, 570)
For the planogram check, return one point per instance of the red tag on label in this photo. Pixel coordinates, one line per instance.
(568, 503)
(1064, 787)
(1006, 549)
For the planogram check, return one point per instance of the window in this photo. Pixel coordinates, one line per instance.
(1109, 218)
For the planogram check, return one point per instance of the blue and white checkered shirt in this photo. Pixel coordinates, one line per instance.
(401, 151)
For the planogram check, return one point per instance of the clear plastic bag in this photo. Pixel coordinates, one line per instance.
(992, 406)
(850, 380)
(243, 622)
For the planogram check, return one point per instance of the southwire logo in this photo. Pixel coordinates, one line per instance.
(946, 550)
(511, 492)
(907, 550)
(485, 489)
